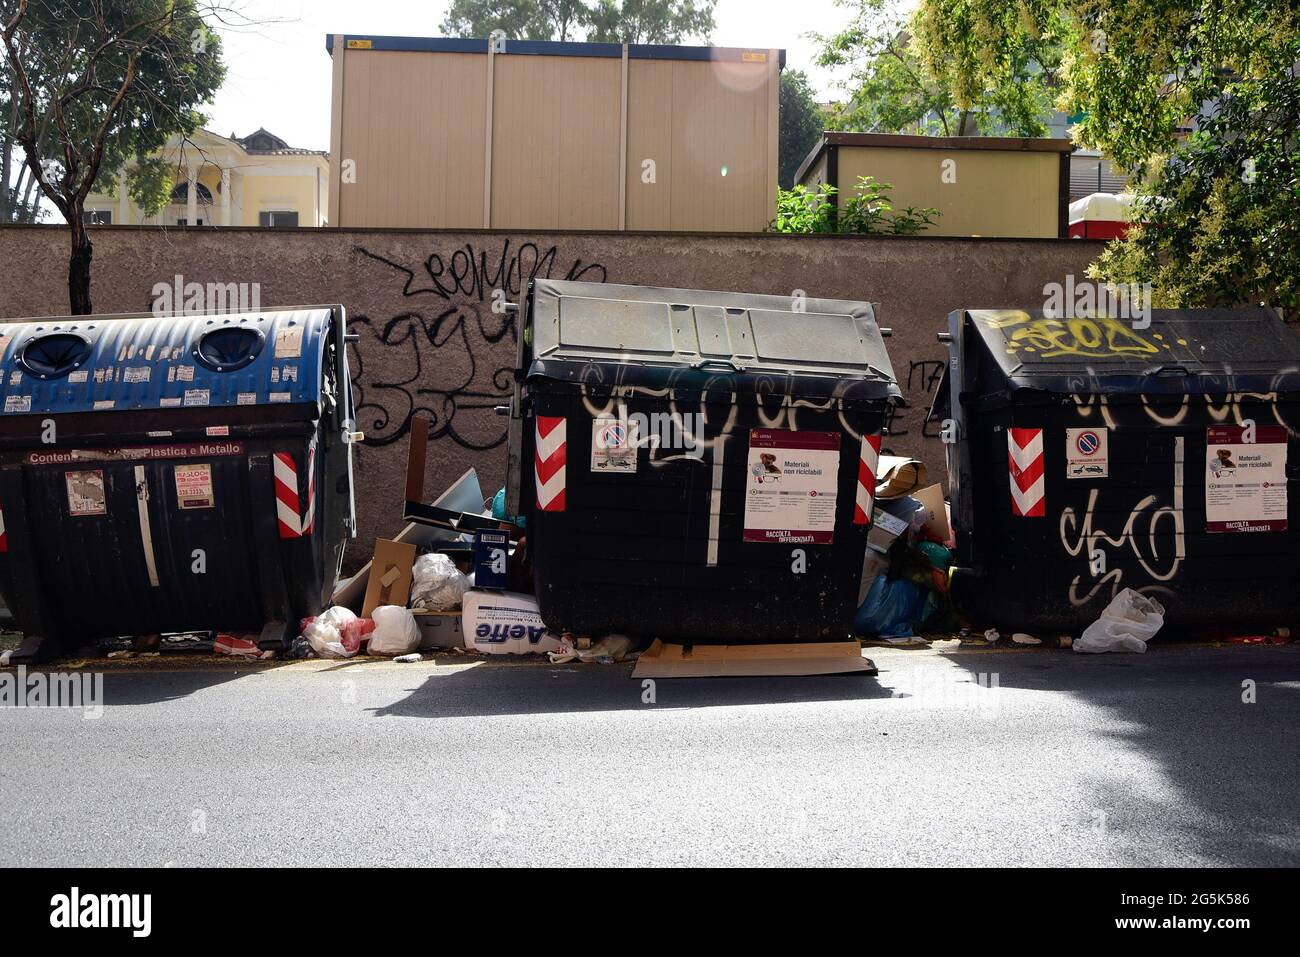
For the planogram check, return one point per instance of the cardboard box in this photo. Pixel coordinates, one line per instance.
(439, 629)
(390, 576)
(935, 511)
(505, 623)
(885, 528)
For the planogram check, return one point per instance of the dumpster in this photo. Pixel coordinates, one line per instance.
(173, 474)
(1094, 454)
(696, 465)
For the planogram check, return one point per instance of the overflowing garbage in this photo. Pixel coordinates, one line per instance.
(909, 553)
(443, 586)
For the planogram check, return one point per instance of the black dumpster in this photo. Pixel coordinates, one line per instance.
(173, 474)
(1094, 454)
(697, 465)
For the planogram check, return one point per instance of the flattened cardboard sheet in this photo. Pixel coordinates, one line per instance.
(724, 661)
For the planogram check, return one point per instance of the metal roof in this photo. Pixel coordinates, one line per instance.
(635, 51)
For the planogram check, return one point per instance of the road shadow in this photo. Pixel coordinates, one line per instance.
(1218, 723)
(493, 690)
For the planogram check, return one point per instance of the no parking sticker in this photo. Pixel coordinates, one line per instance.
(1086, 454)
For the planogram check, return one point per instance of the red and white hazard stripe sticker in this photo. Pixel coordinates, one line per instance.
(309, 516)
(549, 463)
(867, 466)
(286, 495)
(4, 535)
(1025, 462)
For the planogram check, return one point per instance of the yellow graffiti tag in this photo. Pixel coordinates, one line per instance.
(1084, 338)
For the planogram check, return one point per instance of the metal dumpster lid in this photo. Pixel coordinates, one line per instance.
(152, 362)
(659, 331)
(1182, 350)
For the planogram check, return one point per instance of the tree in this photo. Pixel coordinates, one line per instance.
(605, 21)
(651, 21)
(802, 122)
(95, 82)
(890, 91)
(1198, 99)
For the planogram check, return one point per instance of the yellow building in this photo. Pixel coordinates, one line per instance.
(518, 134)
(256, 180)
(982, 185)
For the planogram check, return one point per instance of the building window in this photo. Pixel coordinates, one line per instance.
(278, 218)
(185, 222)
(97, 217)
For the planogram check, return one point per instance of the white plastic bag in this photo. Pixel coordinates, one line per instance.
(325, 633)
(396, 632)
(436, 583)
(1126, 624)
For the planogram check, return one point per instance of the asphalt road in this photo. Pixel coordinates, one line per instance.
(1071, 760)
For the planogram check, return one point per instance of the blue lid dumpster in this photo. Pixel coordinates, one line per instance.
(697, 465)
(1092, 454)
(170, 474)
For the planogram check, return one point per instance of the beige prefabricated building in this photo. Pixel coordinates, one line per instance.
(981, 185)
(460, 133)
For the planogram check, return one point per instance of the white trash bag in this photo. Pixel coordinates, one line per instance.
(436, 583)
(1126, 624)
(396, 632)
(325, 633)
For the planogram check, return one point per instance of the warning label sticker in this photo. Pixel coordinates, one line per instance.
(1086, 454)
(613, 445)
(790, 486)
(86, 493)
(194, 486)
(196, 397)
(18, 403)
(1245, 482)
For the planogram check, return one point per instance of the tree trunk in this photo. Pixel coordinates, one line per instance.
(79, 268)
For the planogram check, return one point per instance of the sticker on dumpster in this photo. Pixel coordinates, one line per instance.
(15, 377)
(18, 403)
(79, 377)
(196, 396)
(791, 481)
(187, 450)
(136, 374)
(1245, 482)
(1086, 454)
(247, 398)
(288, 343)
(194, 486)
(613, 445)
(86, 493)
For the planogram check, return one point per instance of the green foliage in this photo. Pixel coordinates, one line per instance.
(90, 86)
(602, 21)
(890, 90)
(869, 211)
(801, 124)
(1200, 100)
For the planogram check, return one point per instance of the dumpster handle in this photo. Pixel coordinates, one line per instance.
(1172, 370)
(727, 363)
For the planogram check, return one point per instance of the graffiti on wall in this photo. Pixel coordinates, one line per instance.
(447, 350)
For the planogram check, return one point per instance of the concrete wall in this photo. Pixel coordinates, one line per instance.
(431, 344)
